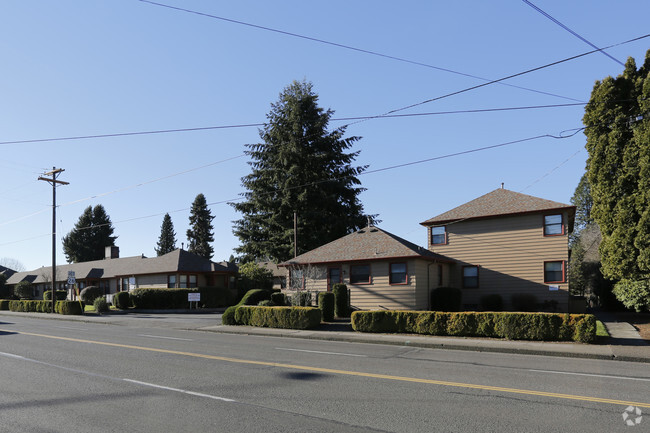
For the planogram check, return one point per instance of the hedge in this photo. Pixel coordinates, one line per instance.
(278, 317)
(326, 305)
(122, 300)
(61, 307)
(61, 295)
(169, 299)
(69, 307)
(513, 326)
(251, 297)
(341, 300)
(4, 304)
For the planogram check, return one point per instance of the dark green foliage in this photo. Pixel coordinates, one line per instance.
(583, 202)
(513, 326)
(199, 235)
(89, 294)
(216, 297)
(228, 316)
(341, 300)
(6, 291)
(524, 302)
(174, 299)
(299, 167)
(69, 307)
(446, 299)
(278, 317)
(167, 240)
(492, 302)
(90, 236)
(254, 276)
(279, 299)
(25, 306)
(61, 295)
(100, 305)
(266, 303)
(122, 300)
(634, 294)
(23, 290)
(253, 297)
(4, 304)
(326, 305)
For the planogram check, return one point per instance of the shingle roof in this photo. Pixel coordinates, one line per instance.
(175, 261)
(498, 202)
(370, 243)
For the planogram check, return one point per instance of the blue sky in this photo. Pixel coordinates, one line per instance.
(77, 68)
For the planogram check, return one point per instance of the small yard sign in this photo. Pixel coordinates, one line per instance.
(193, 297)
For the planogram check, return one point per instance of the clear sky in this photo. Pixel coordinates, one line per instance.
(79, 68)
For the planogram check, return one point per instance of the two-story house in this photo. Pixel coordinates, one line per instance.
(506, 243)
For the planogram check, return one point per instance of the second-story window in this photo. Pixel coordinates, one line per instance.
(438, 235)
(553, 225)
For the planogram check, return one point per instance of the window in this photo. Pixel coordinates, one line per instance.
(182, 281)
(438, 235)
(360, 274)
(398, 273)
(470, 277)
(554, 272)
(171, 281)
(192, 280)
(553, 225)
(333, 277)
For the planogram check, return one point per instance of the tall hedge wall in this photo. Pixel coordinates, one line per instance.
(278, 317)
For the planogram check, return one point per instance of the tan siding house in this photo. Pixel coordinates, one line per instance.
(506, 243)
(381, 270)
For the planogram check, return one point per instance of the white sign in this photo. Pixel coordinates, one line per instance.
(131, 283)
(71, 278)
(553, 288)
(193, 297)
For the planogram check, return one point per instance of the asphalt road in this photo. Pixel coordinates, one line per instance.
(147, 376)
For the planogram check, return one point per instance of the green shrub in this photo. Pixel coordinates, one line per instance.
(341, 300)
(254, 276)
(216, 297)
(228, 316)
(90, 293)
(524, 302)
(4, 304)
(326, 305)
(492, 302)
(61, 295)
(633, 294)
(101, 306)
(278, 299)
(278, 317)
(27, 306)
(69, 307)
(122, 300)
(446, 299)
(23, 290)
(253, 297)
(514, 326)
(266, 303)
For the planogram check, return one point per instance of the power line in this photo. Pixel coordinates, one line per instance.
(248, 125)
(571, 31)
(551, 171)
(347, 47)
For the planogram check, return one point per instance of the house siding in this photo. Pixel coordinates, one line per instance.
(510, 252)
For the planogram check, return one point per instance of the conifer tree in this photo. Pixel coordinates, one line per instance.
(298, 167)
(90, 236)
(200, 234)
(167, 241)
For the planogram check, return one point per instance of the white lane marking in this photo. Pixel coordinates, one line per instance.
(166, 338)
(183, 391)
(323, 353)
(592, 375)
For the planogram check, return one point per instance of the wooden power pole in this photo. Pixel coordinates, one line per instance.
(54, 182)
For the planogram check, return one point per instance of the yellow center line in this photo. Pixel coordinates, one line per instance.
(348, 373)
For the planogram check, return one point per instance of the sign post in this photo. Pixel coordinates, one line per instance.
(194, 297)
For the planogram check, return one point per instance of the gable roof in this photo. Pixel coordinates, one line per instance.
(370, 243)
(175, 261)
(7, 272)
(498, 203)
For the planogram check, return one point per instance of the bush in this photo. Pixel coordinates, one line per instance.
(100, 304)
(326, 302)
(23, 290)
(514, 326)
(228, 316)
(633, 294)
(301, 299)
(27, 306)
(524, 302)
(61, 295)
(278, 317)
(4, 304)
(253, 297)
(446, 299)
(266, 303)
(278, 299)
(90, 293)
(69, 307)
(254, 276)
(122, 300)
(6, 292)
(341, 300)
(491, 303)
(215, 297)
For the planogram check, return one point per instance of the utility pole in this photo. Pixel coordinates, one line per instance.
(54, 182)
(295, 235)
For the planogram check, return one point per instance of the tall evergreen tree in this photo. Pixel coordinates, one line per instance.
(92, 233)
(167, 241)
(618, 168)
(298, 167)
(200, 234)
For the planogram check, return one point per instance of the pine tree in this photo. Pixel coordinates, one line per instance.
(199, 235)
(298, 167)
(92, 233)
(167, 241)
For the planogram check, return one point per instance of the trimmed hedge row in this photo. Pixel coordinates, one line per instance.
(326, 302)
(61, 307)
(168, 299)
(513, 326)
(278, 317)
